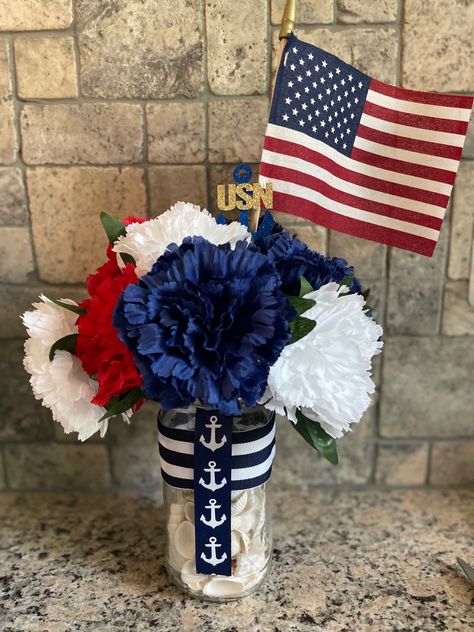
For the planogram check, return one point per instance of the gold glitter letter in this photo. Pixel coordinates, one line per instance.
(265, 195)
(222, 205)
(244, 196)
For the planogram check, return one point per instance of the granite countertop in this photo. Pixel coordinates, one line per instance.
(345, 561)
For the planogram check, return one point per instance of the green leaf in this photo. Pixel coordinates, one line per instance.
(367, 308)
(118, 406)
(305, 286)
(113, 227)
(300, 327)
(301, 304)
(72, 308)
(126, 258)
(68, 343)
(317, 437)
(347, 280)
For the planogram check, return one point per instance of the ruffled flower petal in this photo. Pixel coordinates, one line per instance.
(205, 324)
(327, 373)
(61, 384)
(102, 353)
(148, 241)
(294, 259)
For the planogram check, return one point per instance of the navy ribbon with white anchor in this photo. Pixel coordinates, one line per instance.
(213, 461)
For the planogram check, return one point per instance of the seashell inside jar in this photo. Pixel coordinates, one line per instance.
(250, 544)
(250, 525)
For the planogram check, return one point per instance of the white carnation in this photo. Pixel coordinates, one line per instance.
(61, 384)
(147, 241)
(327, 373)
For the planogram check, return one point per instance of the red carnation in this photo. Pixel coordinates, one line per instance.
(133, 219)
(102, 353)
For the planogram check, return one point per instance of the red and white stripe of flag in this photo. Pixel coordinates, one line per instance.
(395, 186)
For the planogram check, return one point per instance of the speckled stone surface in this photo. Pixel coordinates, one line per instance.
(346, 561)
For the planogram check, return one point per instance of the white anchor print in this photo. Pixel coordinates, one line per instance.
(212, 485)
(213, 444)
(214, 560)
(213, 522)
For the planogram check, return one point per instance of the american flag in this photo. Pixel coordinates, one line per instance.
(360, 156)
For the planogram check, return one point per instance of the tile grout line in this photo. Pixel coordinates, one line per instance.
(269, 61)
(19, 163)
(388, 255)
(6, 479)
(400, 23)
(206, 102)
(146, 164)
(77, 56)
(107, 439)
(448, 227)
(372, 478)
(327, 231)
(336, 26)
(429, 464)
(99, 100)
(260, 96)
(35, 34)
(378, 404)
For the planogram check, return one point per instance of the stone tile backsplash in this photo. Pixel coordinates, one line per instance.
(130, 106)
(65, 204)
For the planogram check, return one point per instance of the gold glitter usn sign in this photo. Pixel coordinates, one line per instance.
(245, 196)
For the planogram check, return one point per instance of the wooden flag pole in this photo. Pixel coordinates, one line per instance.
(287, 25)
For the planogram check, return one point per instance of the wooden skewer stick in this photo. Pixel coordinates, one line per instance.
(287, 25)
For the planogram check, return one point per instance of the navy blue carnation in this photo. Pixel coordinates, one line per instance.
(294, 259)
(205, 324)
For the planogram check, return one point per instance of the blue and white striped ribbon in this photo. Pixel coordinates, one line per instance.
(253, 452)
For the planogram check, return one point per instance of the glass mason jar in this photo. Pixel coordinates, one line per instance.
(250, 523)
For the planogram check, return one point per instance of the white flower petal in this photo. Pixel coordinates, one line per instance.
(147, 241)
(61, 384)
(327, 373)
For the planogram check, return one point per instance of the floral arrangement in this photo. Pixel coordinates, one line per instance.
(187, 308)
